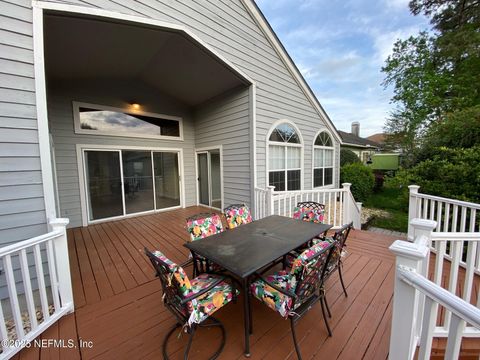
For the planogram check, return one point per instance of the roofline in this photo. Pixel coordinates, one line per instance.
(361, 146)
(272, 37)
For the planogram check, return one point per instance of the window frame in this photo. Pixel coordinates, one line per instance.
(314, 147)
(78, 130)
(285, 145)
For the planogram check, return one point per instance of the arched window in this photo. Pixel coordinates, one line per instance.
(323, 160)
(285, 158)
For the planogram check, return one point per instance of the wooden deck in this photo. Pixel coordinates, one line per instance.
(119, 307)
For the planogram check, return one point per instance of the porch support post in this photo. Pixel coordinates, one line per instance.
(62, 263)
(412, 208)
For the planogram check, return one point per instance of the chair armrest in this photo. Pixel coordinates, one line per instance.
(283, 291)
(203, 291)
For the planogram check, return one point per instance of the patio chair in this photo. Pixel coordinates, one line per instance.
(292, 293)
(192, 302)
(339, 238)
(237, 214)
(309, 211)
(200, 226)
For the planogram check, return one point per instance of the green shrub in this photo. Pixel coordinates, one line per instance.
(361, 177)
(451, 173)
(348, 157)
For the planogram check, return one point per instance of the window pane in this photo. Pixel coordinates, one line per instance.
(137, 181)
(285, 133)
(328, 176)
(294, 157)
(318, 158)
(328, 158)
(277, 179)
(323, 139)
(126, 124)
(167, 189)
(276, 157)
(317, 177)
(104, 184)
(293, 179)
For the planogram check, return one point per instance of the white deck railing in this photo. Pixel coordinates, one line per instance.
(340, 206)
(37, 275)
(416, 299)
(450, 215)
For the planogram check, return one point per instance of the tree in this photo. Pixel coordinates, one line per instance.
(348, 157)
(435, 74)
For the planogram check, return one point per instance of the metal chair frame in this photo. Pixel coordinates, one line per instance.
(177, 305)
(309, 290)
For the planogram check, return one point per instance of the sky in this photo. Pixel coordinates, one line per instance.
(340, 48)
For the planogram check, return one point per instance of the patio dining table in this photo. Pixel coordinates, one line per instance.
(249, 248)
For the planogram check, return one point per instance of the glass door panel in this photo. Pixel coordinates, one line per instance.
(137, 181)
(215, 179)
(203, 183)
(167, 184)
(104, 184)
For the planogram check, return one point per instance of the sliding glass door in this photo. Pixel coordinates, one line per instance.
(124, 182)
(104, 184)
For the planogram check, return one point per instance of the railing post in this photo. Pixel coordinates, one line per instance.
(269, 198)
(346, 204)
(412, 208)
(403, 337)
(358, 223)
(62, 263)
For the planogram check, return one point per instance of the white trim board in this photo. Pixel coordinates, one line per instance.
(257, 15)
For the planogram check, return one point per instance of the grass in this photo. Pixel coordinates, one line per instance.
(389, 200)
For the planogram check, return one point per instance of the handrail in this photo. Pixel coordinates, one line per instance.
(447, 200)
(298, 192)
(456, 236)
(456, 305)
(9, 249)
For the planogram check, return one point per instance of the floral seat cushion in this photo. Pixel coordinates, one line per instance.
(307, 214)
(200, 227)
(237, 215)
(323, 243)
(212, 300)
(202, 307)
(285, 280)
(271, 297)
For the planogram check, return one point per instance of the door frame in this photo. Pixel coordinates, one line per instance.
(197, 187)
(81, 148)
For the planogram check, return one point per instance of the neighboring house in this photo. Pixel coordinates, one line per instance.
(362, 147)
(110, 109)
(379, 138)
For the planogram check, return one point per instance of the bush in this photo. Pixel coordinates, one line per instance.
(361, 177)
(451, 173)
(348, 157)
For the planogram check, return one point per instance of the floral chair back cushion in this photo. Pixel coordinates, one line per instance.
(204, 225)
(312, 213)
(236, 215)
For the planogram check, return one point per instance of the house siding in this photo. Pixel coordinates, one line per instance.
(61, 123)
(225, 122)
(22, 207)
(223, 24)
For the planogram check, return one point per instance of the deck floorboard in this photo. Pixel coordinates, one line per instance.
(118, 305)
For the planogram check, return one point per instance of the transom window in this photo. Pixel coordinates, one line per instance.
(284, 158)
(323, 160)
(102, 120)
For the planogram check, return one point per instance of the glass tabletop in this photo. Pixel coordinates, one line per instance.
(250, 247)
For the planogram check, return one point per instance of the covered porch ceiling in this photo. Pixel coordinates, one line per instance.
(82, 48)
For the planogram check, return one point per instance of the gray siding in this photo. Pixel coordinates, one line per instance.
(225, 121)
(22, 208)
(224, 24)
(61, 122)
